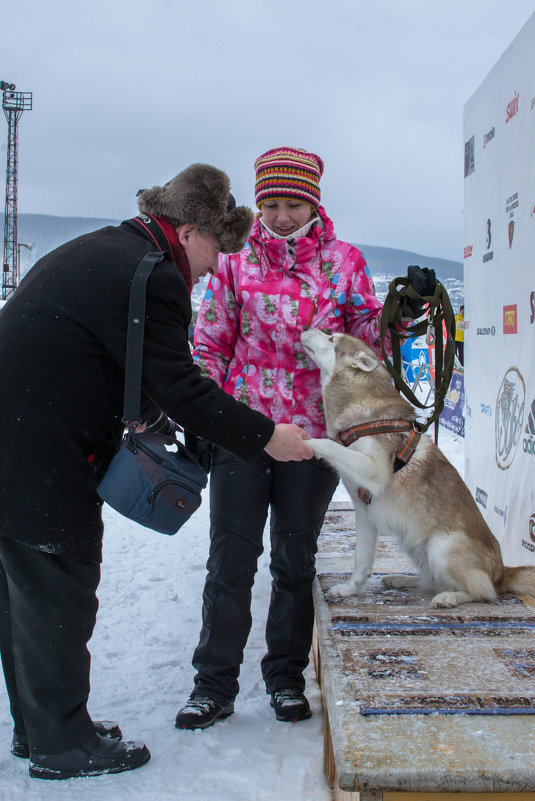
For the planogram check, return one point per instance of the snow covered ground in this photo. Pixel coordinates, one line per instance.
(147, 628)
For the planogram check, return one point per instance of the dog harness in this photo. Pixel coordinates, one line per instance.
(352, 434)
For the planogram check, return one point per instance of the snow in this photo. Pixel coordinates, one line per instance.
(147, 628)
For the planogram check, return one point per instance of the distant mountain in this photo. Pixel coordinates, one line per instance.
(390, 261)
(46, 232)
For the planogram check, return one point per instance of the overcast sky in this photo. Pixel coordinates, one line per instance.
(127, 93)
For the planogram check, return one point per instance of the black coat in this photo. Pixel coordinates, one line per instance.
(62, 355)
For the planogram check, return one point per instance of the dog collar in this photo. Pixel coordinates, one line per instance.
(352, 434)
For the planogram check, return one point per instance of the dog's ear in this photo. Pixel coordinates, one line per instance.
(364, 362)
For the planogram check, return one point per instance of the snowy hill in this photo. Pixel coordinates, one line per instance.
(46, 232)
(391, 261)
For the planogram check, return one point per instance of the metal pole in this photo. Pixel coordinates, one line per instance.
(11, 267)
(13, 103)
(19, 246)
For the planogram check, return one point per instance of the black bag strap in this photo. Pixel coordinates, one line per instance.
(135, 336)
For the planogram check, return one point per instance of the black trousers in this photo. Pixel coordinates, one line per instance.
(48, 609)
(240, 497)
(459, 350)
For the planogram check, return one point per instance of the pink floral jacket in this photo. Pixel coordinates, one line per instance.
(248, 332)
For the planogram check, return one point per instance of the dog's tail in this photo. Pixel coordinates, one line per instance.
(520, 580)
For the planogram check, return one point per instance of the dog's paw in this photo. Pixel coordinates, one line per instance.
(399, 582)
(391, 582)
(445, 600)
(340, 591)
(320, 447)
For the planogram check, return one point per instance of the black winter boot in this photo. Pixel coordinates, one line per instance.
(290, 705)
(107, 728)
(96, 756)
(200, 712)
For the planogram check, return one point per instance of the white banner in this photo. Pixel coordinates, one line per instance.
(499, 274)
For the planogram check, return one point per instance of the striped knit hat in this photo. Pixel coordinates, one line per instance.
(288, 172)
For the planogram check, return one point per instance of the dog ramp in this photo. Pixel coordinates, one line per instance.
(416, 699)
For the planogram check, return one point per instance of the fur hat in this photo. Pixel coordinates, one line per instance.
(200, 195)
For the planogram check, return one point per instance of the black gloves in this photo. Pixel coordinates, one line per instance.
(200, 448)
(423, 281)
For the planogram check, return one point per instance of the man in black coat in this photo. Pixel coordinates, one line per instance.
(62, 358)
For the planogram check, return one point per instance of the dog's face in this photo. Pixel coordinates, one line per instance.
(322, 349)
(329, 349)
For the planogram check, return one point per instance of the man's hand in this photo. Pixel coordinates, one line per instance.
(288, 444)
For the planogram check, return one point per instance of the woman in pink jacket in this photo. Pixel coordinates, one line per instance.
(293, 273)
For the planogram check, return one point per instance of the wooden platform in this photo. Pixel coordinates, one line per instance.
(421, 703)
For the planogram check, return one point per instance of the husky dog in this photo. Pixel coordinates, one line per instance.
(402, 483)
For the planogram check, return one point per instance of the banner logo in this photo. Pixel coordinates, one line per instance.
(509, 417)
(528, 443)
(452, 398)
(469, 153)
(486, 408)
(510, 205)
(486, 332)
(481, 497)
(532, 307)
(488, 240)
(501, 513)
(488, 136)
(529, 546)
(510, 319)
(512, 108)
(468, 251)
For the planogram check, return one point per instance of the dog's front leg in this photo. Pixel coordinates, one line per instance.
(353, 467)
(347, 461)
(365, 547)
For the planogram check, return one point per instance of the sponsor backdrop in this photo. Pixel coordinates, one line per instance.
(418, 360)
(499, 276)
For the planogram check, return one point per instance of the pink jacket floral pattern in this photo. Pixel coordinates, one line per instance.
(248, 332)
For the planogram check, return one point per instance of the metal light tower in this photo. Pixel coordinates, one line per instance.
(13, 103)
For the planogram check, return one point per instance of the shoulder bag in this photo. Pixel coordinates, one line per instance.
(146, 482)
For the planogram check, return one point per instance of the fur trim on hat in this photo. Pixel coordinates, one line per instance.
(200, 195)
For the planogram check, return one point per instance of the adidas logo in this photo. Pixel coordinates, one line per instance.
(529, 441)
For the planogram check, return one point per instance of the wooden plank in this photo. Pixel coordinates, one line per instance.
(329, 768)
(456, 796)
(402, 757)
(376, 795)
